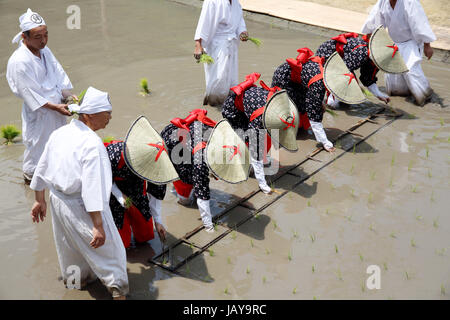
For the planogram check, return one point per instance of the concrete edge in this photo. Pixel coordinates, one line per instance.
(441, 55)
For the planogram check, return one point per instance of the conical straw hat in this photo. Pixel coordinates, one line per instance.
(281, 114)
(341, 82)
(146, 155)
(227, 155)
(384, 52)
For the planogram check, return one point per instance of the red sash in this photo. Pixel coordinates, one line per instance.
(194, 115)
(297, 64)
(320, 61)
(341, 40)
(239, 90)
(260, 110)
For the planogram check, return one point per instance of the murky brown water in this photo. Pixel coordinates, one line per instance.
(386, 204)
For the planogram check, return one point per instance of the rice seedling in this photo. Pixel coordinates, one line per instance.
(393, 160)
(327, 212)
(336, 248)
(363, 286)
(354, 149)
(145, 91)
(435, 135)
(267, 251)
(108, 139)
(204, 58)
(165, 261)
(191, 246)
(442, 121)
(309, 203)
(313, 268)
(407, 275)
(370, 200)
(427, 150)
(361, 257)
(264, 279)
(352, 169)
(226, 290)
(256, 41)
(339, 274)
(257, 216)
(128, 203)
(385, 266)
(312, 237)
(229, 260)
(9, 132)
(295, 233)
(442, 290)
(410, 165)
(419, 217)
(435, 223)
(413, 243)
(391, 182)
(414, 189)
(215, 226)
(211, 252)
(392, 235)
(289, 256)
(371, 228)
(367, 93)
(247, 271)
(440, 252)
(432, 196)
(349, 218)
(233, 235)
(331, 112)
(275, 226)
(411, 133)
(294, 291)
(314, 298)
(429, 174)
(251, 243)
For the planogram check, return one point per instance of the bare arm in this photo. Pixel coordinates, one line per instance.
(61, 108)
(99, 236)
(198, 50)
(39, 209)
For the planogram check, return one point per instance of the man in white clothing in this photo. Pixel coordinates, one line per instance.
(34, 75)
(220, 26)
(75, 167)
(408, 26)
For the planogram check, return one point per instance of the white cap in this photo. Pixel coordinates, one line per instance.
(94, 101)
(29, 20)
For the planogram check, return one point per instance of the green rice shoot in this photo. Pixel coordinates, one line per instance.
(256, 41)
(9, 132)
(204, 58)
(331, 112)
(144, 87)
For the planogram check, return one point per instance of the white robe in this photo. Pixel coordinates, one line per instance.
(408, 26)
(219, 27)
(75, 167)
(37, 81)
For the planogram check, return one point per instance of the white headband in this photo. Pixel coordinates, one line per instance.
(94, 101)
(29, 20)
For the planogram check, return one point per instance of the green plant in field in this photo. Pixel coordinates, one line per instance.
(211, 252)
(215, 226)
(349, 218)
(393, 159)
(442, 121)
(267, 251)
(370, 200)
(336, 248)
(410, 165)
(331, 112)
(435, 223)
(256, 41)
(407, 275)
(413, 243)
(312, 237)
(363, 286)
(411, 132)
(352, 169)
(295, 233)
(289, 256)
(294, 291)
(392, 235)
(436, 133)
(414, 189)
(247, 271)
(371, 228)
(233, 235)
(339, 274)
(191, 246)
(257, 216)
(440, 252)
(9, 132)
(144, 87)
(309, 203)
(354, 149)
(391, 182)
(327, 212)
(427, 150)
(385, 266)
(251, 243)
(432, 196)
(361, 257)
(264, 279)
(313, 268)
(419, 217)
(204, 58)
(226, 290)
(229, 260)
(275, 224)
(429, 174)
(442, 290)
(108, 139)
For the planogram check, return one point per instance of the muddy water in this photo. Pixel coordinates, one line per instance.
(385, 204)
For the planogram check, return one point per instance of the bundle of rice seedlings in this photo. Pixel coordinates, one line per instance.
(108, 139)
(145, 91)
(333, 114)
(256, 41)
(9, 132)
(366, 92)
(204, 58)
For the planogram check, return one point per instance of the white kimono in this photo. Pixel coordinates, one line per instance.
(409, 28)
(75, 167)
(37, 81)
(219, 27)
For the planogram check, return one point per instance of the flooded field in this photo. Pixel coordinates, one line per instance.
(384, 203)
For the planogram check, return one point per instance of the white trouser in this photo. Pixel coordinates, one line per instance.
(414, 81)
(221, 75)
(258, 168)
(72, 229)
(205, 213)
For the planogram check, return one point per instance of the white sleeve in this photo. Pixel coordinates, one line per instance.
(320, 134)
(39, 183)
(24, 85)
(418, 22)
(374, 20)
(92, 188)
(155, 208)
(373, 88)
(118, 194)
(242, 26)
(63, 79)
(207, 24)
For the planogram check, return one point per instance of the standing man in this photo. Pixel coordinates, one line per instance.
(220, 26)
(34, 75)
(409, 28)
(76, 169)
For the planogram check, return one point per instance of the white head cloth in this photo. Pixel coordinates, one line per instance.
(94, 101)
(29, 20)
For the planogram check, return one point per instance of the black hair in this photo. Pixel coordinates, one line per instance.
(27, 33)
